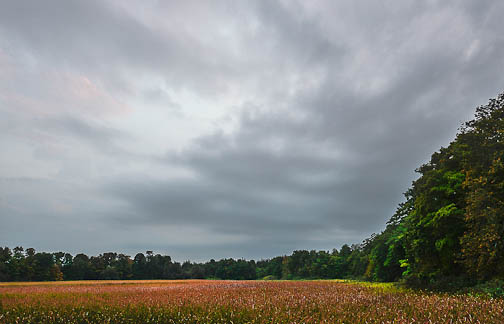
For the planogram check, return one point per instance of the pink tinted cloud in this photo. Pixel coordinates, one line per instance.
(43, 91)
(92, 98)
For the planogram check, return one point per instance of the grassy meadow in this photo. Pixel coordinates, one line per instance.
(209, 301)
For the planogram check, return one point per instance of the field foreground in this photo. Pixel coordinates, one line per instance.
(201, 301)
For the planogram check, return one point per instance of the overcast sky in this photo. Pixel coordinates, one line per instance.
(213, 129)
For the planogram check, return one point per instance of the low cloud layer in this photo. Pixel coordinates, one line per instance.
(228, 129)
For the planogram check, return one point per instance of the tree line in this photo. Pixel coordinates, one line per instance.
(448, 231)
(450, 228)
(28, 265)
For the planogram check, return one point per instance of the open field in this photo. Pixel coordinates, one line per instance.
(201, 301)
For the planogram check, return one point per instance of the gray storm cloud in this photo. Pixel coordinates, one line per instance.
(228, 129)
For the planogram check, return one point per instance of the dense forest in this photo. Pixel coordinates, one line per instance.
(449, 231)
